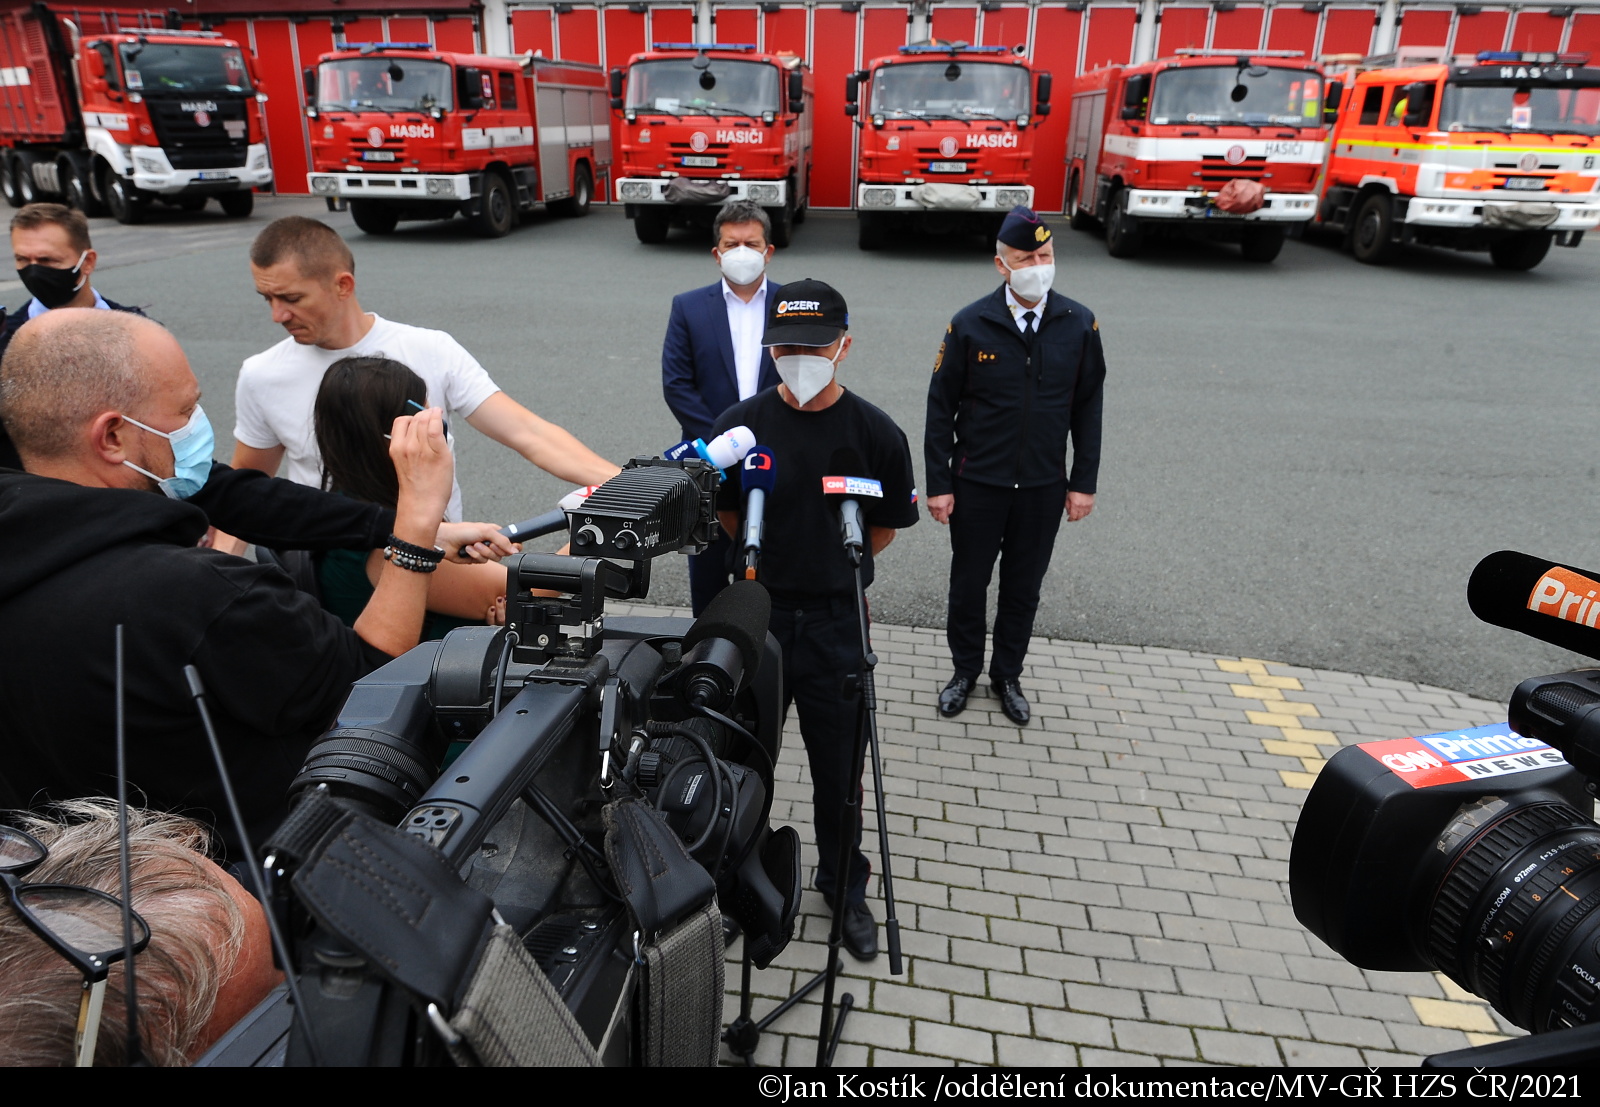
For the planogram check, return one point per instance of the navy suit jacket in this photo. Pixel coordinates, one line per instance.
(698, 376)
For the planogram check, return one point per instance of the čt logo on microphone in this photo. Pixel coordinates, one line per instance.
(761, 460)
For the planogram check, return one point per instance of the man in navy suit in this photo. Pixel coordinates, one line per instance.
(712, 356)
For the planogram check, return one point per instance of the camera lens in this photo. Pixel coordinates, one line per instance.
(384, 773)
(1513, 918)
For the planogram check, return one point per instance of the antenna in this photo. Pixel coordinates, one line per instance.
(251, 866)
(130, 987)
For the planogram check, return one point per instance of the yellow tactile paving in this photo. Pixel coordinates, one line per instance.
(1448, 1015)
(1287, 715)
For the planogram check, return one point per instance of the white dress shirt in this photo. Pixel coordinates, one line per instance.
(1018, 309)
(746, 321)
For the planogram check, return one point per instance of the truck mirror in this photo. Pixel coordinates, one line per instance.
(97, 65)
(1041, 95)
(797, 92)
(1134, 94)
(1330, 102)
(852, 90)
(469, 82)
(616, 86)
(1419, 104)
(308, 78)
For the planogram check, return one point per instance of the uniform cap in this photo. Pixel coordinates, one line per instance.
(1023, 230)
(806, 313)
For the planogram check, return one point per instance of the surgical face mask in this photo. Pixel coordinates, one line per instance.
(53, 287)
(1032, 282)
(742, 265)
(805, 375)
(192, 447)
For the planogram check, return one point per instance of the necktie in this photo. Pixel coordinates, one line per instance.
(1028, 318)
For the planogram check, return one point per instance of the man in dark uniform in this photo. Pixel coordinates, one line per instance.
(1020, 372)
(809, 423)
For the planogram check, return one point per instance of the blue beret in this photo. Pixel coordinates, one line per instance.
(1023, 230)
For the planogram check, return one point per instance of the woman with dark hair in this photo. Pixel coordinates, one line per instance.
(358, 402)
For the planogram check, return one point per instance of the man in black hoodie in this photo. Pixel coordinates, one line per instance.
(102, 407)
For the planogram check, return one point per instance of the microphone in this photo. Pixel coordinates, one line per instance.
(550, 521)
(758, 476)
(724, 451)
(724, 645)
(1547, 600)
(850, 490)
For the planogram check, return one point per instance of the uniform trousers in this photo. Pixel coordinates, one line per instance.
(1018, 526)
(821, 640)
(709, 571)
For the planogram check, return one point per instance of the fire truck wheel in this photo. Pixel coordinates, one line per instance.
(8, 180)
(27, 187)
(237, 204)
(1520, 253)
(1079, 217)
(870, 231)
(782, 224)
(582, 195)
(1124, 235)
(1261, 243)
(652, 224)
(76, 186)
(1372, 233)
(497, 213)
(373, 216)
(119, 194)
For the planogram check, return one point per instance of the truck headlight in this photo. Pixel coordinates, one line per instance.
(324, 185)
(1010, 197)
(148, 165)
(635, 190)
(439, 187)
(762, 193)
(877, 197)
(260, 161)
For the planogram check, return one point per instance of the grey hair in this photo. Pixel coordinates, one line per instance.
(741, 211)
(54, 380)
(196, 933)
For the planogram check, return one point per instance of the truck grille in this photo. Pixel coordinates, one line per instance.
(719, 150)
(191, 146)
(1216, 170)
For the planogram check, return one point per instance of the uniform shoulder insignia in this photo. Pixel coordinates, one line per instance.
(939, 358)
(1094, 324)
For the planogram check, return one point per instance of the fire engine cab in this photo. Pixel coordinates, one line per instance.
(946, 138)
(1152, 147)
(1497, 152)
(704, 123)
(403, 131)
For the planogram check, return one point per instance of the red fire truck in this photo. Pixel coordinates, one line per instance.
(1151, 146)
(946, 138)
(403, 131)
(1497, 152)
(704, 123)
(106, 116)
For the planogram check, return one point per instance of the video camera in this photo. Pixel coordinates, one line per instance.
(1475, 853)
(517, 845)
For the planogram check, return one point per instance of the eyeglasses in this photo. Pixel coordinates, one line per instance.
(81, 924)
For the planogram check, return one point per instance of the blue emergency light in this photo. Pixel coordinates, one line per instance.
(742, 47)
(956, 48)
(1515, 57)
(372, 47)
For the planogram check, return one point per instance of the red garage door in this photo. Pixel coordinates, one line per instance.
(1055, 48)
(955, 24)
(1239, 29)
(624, 36)
(1109, 39)
(1293, 29)
(738, 25)
(1348, 31)
(1480, 31)
(1424, 27)
(1182, 28)
(1538, 31)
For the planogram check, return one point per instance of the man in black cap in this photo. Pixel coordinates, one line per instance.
(814, 428)
(1020, 373)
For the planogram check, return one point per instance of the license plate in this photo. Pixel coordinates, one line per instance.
(1526, 184)
(947, 167)
(214, 175)
(695, 162)
(377, 155)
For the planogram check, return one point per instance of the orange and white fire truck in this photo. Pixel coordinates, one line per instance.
(1151, 147)
(946, 138)
(403, 131)
(701, 124)
(104, 116)
(1497, 152)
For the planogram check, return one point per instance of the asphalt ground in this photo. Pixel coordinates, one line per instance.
(1303, 460)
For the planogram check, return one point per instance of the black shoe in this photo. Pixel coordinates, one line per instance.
(1012, 701)
(860, 932)
(953, 700)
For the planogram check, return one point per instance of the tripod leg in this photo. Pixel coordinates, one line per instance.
(743, 1034)
(850, 819)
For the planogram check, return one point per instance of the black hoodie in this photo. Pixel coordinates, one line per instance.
(74, 563)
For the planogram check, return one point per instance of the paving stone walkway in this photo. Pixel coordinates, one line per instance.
(1109, 885)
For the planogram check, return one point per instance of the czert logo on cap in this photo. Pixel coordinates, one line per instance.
(799, 307)
(698, 142)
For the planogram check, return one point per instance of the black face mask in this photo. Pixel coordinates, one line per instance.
(52, 287)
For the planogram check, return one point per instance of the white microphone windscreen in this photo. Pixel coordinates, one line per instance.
(728, 448)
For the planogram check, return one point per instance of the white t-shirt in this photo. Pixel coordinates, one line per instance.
(277, 390)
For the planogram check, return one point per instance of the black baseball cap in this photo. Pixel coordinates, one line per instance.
(806, 313)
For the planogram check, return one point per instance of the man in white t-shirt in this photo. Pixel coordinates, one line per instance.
(306, 273)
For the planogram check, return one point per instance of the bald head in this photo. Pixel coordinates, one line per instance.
(73, 370)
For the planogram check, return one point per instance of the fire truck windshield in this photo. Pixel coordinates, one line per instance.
(157, 67)
(724, 87)
(1227, 94)
(1510, 108)
(950, 90)
(383, 84)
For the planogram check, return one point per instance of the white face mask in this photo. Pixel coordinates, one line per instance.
(1032, 282)
(805, 375)
(742, 265)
